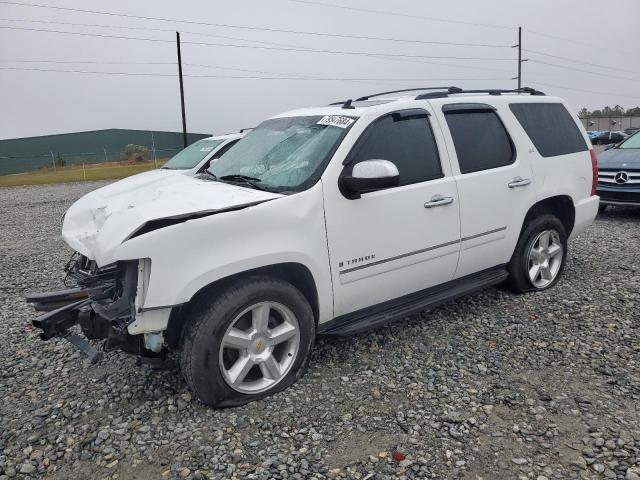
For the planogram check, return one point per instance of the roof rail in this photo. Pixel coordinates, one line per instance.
(494, 91)
(367, 97)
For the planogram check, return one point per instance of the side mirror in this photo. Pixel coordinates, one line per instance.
(368, 176)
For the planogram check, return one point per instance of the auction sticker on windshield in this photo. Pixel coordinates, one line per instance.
(336, 121)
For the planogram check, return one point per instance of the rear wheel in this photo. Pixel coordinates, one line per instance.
(540, 255)
(250, 342)
(602, 208)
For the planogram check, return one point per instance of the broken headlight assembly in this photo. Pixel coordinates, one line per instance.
(102, 300)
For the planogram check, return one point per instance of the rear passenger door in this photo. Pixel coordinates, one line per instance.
(495, 184)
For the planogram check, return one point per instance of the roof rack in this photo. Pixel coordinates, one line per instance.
(367, 97)
(438, 94)
(493, 91)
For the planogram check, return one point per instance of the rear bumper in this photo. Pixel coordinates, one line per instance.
(586, 211)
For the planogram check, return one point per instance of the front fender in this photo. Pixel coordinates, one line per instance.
(189, 256)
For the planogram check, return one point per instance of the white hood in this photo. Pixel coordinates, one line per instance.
(101, 220)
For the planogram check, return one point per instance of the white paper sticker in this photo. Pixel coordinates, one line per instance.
(336, 121)
(206, 149)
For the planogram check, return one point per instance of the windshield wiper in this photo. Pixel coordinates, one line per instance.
(239, 178)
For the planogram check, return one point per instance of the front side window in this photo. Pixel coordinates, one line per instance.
(632, 142)
(192, 155)
(404, 138)
(550, 127)
(284, 154)
(480, 140)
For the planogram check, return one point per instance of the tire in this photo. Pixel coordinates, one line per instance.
(522, 264)
(602, 208)
(208, 367)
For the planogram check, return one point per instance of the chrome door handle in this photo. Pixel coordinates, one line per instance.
(437, 201)
(519, 182)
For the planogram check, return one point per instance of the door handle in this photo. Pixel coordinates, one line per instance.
(437, 201)
(519, 182)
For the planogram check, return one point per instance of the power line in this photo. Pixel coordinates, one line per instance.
(262, 47)
(382, 56)
(578, 42)
(405, 15)
(265, 29)
(149, 74)
(574, 89)
(582, 62)
(591, 72)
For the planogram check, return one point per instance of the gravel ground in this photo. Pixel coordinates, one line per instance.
(492, 386)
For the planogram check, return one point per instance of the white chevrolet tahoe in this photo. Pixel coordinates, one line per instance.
(326, 221)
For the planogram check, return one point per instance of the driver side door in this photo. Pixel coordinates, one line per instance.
(398, 240)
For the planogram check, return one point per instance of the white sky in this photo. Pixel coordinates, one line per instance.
(39, 103)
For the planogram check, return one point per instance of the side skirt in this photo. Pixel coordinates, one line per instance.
(382, 313)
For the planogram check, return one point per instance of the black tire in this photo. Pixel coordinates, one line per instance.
(518, 280)
(602, 208)
(208, 322)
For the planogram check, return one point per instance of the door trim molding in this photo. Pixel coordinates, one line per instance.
(422, 250)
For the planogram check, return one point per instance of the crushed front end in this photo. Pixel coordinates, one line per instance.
(102, 301)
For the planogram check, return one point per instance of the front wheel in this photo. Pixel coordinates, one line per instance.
(253, 340)
(540, 255)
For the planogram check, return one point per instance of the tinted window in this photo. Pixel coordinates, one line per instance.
(480, 139)
(550, 127)
(404, 138)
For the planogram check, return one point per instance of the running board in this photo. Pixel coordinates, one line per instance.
(377, 315)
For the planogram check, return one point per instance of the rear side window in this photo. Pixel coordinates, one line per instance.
(406, 139)
(480, 139)
(550, 127)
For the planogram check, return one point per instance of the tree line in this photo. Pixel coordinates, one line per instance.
(608, 111)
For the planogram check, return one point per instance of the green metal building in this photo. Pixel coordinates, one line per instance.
(18, 155)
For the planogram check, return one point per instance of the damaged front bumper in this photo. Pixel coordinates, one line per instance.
(103, 303)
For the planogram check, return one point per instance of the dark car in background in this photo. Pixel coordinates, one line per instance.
(632, 130)
(607, 137)
(619, 174)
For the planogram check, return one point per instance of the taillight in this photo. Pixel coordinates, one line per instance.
(594, 168)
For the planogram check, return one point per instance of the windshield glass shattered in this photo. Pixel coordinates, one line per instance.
(284, 153)
(191, 156)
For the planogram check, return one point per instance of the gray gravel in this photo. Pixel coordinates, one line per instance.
(492, 386)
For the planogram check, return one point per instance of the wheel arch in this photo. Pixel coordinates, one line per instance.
(294, 273)
(561, 206)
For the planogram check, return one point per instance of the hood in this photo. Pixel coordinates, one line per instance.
(619, 159)
(103, 219)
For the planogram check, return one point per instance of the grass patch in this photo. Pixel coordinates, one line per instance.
(75, 173)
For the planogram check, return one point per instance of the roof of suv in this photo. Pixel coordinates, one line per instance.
(369, 104)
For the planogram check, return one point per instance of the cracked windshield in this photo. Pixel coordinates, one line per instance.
(284, 153)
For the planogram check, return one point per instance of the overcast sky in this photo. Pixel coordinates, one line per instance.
(40, 103)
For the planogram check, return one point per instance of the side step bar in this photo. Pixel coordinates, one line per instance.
(377, 315)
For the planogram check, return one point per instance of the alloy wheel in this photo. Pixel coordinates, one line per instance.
(259, 347)
(545, 258)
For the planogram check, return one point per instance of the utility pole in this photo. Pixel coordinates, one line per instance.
(105, 154)
(153, 147)
(184, 120)
(53, 159)
(520, 60)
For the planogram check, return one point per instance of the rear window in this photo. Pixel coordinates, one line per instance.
(550, 127)
(480, 139)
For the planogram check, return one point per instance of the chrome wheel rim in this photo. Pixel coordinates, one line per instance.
(259, 347)
(545, 258)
